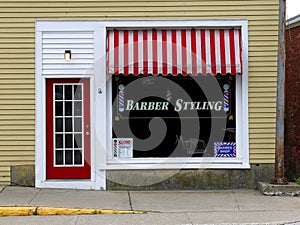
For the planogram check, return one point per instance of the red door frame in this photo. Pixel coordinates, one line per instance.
(73, 172)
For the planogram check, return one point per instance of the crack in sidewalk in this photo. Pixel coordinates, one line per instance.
(2, 189)
(236, 201)
(130, 202)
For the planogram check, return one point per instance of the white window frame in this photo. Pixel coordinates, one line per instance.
(63, 132)
(102, 124)
(242, 135)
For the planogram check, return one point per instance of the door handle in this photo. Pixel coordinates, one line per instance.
(87, 133)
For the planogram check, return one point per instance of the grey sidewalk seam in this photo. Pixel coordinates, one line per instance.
(2, 189)
(36, 194)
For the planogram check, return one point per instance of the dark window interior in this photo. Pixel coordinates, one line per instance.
(175, 142)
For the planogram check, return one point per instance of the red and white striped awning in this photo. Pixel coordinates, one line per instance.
(182, 51)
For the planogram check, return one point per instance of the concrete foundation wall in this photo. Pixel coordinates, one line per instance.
(22, 175)
(168, 179)
(189, 179)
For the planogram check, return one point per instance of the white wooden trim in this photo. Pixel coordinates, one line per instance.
(97, 180)
(99, 103)
(244, 93)
(50, 25)
(241, 99)
(40, 171)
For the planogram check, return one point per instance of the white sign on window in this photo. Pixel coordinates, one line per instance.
(122, 147)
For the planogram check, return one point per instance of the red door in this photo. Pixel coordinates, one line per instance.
(68, 129)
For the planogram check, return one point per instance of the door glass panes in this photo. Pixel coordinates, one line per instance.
(68, 125)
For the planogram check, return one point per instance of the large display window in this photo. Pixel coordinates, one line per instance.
(175, 116)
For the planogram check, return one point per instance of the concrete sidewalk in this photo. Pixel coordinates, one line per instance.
(165, 207)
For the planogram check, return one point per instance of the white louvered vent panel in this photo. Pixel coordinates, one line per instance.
(81, 45)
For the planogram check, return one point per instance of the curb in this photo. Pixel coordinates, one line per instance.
(46, 211)
(290, 189)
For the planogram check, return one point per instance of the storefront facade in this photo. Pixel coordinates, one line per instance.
(85, 116)
(157, 97)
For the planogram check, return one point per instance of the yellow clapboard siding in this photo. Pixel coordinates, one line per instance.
(259, 125)
(262, 105)
(16, 30)
(5, 159)
(16, 129)
(261, 115)
(5, 180)
(12, 133)
(263, 64)
(3, 173)
(265, 158)
(262, 146)
(4, 177)
(18, 143)
(261, 89)
(260, 59)
(263, 79)
(14, 96)
(88, 3)
(13, 148)
(16, 45)
(264, 73)
(19, 122)
(262, 120)
(20, 24)
(262, 53)
(15, 56)
(16, 107)
(18, 101)
(262, 99)
(261, 131)
(263, 38)
(17, 91)
(258, 151)
(17, 117)
(13, 61)
(11, 80)
(19, 152)
(16, 138)
(17, 35)
(262, 161)
(28, 160)
(9, 86)
(17, 59)
(171, 7)
(262, 156)
(262, 136)
(262, 84)
(17, 70)
(16, 112)
(259, 44)
(16, 51)
(260, 141)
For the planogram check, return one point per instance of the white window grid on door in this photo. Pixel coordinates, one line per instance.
(63, 132)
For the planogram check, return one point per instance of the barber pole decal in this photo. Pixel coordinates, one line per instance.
(169, 96)
(225, 149)
(115, 147)
(121, 98)
(226, 97)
